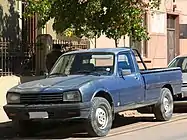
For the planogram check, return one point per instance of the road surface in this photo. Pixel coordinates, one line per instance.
(130, 128)
(169, 131)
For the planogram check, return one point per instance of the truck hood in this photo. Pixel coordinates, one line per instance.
(55, 83)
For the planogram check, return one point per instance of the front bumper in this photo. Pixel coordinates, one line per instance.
(54, 111)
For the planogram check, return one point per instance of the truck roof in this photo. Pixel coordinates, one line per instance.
(109, 50)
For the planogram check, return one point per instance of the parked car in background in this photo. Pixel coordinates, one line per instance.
(93, 85)
(181, 61)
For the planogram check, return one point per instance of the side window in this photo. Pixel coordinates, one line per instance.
(125, 62)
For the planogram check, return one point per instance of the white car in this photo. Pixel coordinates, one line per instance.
(181, 61)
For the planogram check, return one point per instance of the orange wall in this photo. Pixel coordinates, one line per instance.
(181, 6)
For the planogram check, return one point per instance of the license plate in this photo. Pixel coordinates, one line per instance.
(38, 115)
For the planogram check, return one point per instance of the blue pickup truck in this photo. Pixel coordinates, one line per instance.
(93, 85)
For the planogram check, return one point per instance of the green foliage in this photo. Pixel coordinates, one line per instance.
(90, 18)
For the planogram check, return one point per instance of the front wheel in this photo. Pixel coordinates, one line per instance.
(163, 110)
(99, 122)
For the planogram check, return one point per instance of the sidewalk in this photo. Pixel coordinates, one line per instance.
(6, 83)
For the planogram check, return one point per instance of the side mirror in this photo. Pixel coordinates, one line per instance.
(125, 72)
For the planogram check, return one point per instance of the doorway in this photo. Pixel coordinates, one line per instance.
(172, 46)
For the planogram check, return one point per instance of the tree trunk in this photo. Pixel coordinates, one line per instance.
(95, 41)
(116, 43)
(124, 45)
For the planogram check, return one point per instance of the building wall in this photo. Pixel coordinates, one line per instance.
(104, 42)
(158, 43)
(157, 46)
(157, 49)
(181, 6)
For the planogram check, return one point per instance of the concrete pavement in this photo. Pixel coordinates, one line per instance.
(130, 128)
(6, 83)
(175, 130)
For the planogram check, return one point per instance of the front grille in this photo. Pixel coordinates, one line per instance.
(41, 98)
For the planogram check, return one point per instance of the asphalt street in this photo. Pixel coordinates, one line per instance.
(143, 127)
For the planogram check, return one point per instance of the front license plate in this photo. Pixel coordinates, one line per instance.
(38, 115)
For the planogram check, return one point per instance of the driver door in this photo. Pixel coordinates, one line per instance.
(131, 85)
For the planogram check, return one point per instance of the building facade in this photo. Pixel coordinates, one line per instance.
(167, 29)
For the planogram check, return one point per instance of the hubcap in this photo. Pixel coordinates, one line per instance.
(166, 103)
(102, 118)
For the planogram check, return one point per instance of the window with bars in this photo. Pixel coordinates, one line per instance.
(29, 27)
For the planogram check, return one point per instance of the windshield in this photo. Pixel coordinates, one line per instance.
(85, 63)
(180, 62)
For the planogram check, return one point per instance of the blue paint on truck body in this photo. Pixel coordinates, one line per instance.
(138, 89)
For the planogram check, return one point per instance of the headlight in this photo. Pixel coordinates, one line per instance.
(13, 98)
(72, 96)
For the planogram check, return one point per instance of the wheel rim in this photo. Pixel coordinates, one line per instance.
(101, 117)
(167, 106)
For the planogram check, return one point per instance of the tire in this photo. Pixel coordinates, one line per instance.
(24, 128)
(163, 110)
(100, 119)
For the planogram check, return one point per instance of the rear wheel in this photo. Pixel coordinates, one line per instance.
(163, 110)
(99, 122)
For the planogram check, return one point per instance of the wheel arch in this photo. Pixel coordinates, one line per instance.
(104, 94)
(168, 86)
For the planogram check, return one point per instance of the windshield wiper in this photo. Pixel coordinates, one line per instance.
(57, 74)
(88, 72)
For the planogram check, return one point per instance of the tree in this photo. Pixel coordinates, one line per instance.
(91, 18)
